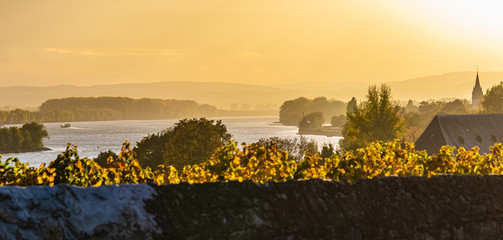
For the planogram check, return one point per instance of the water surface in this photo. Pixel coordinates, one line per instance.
(91, 138)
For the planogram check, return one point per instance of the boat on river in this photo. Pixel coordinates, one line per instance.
(65, 125)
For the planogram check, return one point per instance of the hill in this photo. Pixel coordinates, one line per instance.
(222, 95)
(449, 85)
(443, 86)
(238, 96)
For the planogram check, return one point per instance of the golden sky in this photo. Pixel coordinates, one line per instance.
(264, 42)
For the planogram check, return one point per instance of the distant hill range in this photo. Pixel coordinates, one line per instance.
(239, 96)
(444, 86)
(220, 94)
(449, 85)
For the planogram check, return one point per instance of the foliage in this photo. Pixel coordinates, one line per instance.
(327, 151)
(150, 149)
(192, 141)
(457, 106)
(127, 108)
(296, 147)
(14, 172)
(255, 162)
(27, 138)
(33, 133)
(291, 111)
(102, 158)
(338, 121)
(184, 141)
(418, 117)
(258, 163)
(315, 119)
(107, 108)
(493, 99)
(68, 168)
(422, 115)
(378, 118)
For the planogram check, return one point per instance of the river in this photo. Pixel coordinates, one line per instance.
(91, 138)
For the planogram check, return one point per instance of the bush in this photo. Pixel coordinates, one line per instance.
(150, 149)
(103, 158)
(193, 141)
(296, 147)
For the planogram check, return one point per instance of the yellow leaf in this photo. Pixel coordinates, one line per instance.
(98, 183)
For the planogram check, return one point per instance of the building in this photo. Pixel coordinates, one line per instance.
(477, 93)
(482, 130)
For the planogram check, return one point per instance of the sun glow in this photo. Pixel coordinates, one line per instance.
(260, 42)
(468, 20)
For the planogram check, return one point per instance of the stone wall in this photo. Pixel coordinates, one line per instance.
(442, 207)
(66, 212)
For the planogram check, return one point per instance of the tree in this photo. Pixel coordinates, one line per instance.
(14, 140)
(327, 151)
(24, 139)
(33, 134)
(457, 106)
(338, 121)
(150, 149)
(315, 119)
(102, 158)
(193, 141)
(351, 105)
(493, 99)
(378, 118)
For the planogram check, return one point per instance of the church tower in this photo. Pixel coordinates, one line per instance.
(477, 93)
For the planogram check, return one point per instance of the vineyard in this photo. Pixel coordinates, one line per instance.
(259, 164)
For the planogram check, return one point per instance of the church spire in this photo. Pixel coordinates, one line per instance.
(477, 82)
(477, 93)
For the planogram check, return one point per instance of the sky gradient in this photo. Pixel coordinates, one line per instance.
(260, 42)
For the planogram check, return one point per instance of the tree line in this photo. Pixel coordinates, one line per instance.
(107, 108)
(379, 118)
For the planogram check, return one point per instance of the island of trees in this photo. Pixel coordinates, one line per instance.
(107, 108)
(117, 108)
(28, 138)
(293, 111)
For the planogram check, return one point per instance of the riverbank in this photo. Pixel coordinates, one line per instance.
(324, 131)
(27, 151)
